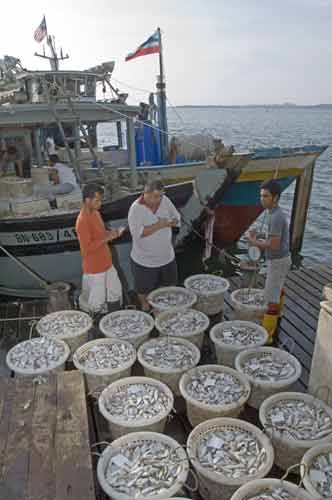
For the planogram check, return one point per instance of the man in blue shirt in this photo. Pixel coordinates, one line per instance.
(276, 246)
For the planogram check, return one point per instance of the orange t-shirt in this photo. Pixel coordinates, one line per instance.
(96, 254)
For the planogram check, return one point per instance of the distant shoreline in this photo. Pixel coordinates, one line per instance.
(278, 106)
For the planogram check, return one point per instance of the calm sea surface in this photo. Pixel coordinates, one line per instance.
(248, 127)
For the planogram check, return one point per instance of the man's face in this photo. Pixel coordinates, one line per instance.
(153, 199)
(267, 200)
(95, 202)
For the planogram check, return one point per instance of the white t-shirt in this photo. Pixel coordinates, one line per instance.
(50, 146)
(155, 250)
(66, 174)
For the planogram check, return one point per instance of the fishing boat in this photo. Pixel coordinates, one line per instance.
(39, 244)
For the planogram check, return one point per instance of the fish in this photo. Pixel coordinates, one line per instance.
(214, 387)
(36, 354)
(166, 298)
(320, 474)
(182, 323)
(63, 323)
(125, 326)
(251, 297)
(272, 493)
(106, 355)
(268, 367)
(208, 283)
(238, 334)
(169, 353)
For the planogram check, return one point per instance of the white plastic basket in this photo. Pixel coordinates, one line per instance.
(289, 451)
(141, 437)
(98, 378)
(225, 352)
(247, 312)
(194, 335)
(308, 460)
(119, 426)
(209, 302)
(167, 375)
(73, 327)
(214, 485)
(261, 486)
(109, 326)
(57, 366)
(262, 389)
(197, 411)
(180, 298)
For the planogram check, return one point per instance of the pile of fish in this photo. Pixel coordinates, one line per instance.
(268, 367)
(36, 354)
(273, 494)
(106, 355)
(242, 335)
(320, 474)
(232, 452)
(181, 323)
(299, 420)
(126, 325)
(169, 353)
(208, 283)
(136, 401)
(215, 388)
(251, 297)
(143, 468)
(166, 299)
(63, 323)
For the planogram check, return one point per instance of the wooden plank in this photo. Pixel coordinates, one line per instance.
(303, 335)
(74, 478)
(298, 286)
(41, 478)
(7, 393)
(15, 466)
(310, 282)
(317, 276)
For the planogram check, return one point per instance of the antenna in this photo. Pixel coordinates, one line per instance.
(54, 58)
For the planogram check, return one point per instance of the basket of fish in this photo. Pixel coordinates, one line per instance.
(269, 370)
(166, 359)
(231, 337)
(38, 356)
(71, 326)
(212, 391)
(317, 471)
(187, 324)
(104, 361)
(136, 404)
(169, 297)
(133, 326)
(270, 489)
(143, 466)
(249, 304)
(210, 290)
(227, 453)
(295, 422)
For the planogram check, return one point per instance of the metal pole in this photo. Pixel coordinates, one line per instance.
(132, 152)
(36, 140)
(119, 132)
(161, 96)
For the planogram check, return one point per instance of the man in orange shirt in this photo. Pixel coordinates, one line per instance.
(100, 285)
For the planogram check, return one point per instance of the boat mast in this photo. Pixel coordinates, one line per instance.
(54, 59)
(161, 99)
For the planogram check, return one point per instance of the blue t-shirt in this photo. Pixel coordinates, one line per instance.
(278, 226)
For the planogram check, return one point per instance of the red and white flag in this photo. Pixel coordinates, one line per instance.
(150, 46)
(41, 31)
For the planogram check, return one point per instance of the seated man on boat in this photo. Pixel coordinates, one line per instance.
(10, 163)
(63, 180)
(101, 286)
(151, 219)
(276, 246)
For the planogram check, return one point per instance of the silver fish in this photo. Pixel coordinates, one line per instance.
(144, 468)
(176, 298)
(242, 335)
(64, 323)
(106, 355)
(36, 354)
(232, 452)
(274, 494)
(137, 401)
(126, 325)
(215, 388)
(320, 474)
(169, 353)
(251, 297)
(299, 420)
(181, 323)
(268, 367)
(208, 283)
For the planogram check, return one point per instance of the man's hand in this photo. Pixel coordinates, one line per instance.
(167, 223)
(111, 235)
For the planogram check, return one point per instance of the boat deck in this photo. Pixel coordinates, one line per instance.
(69, 407)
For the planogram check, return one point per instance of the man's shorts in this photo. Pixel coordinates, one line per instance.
(148, 279)
(277, 270)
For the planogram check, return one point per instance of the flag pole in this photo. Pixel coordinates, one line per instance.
(161, 96)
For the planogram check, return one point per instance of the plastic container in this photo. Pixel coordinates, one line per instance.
(197, 411)
(119, 426)
(167, 375)
(214, 485)
(227, 352)
(308, 459)
(248, 312)
(260, 486)
(209, 301)
(170, 297)
(117, 325)
(98, 378)
(262, 389)
(141, 437)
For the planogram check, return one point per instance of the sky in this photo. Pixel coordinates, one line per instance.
(216, 52)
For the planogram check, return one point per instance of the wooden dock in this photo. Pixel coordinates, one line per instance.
(23, 419)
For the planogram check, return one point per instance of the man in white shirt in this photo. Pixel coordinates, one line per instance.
(151, 218)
